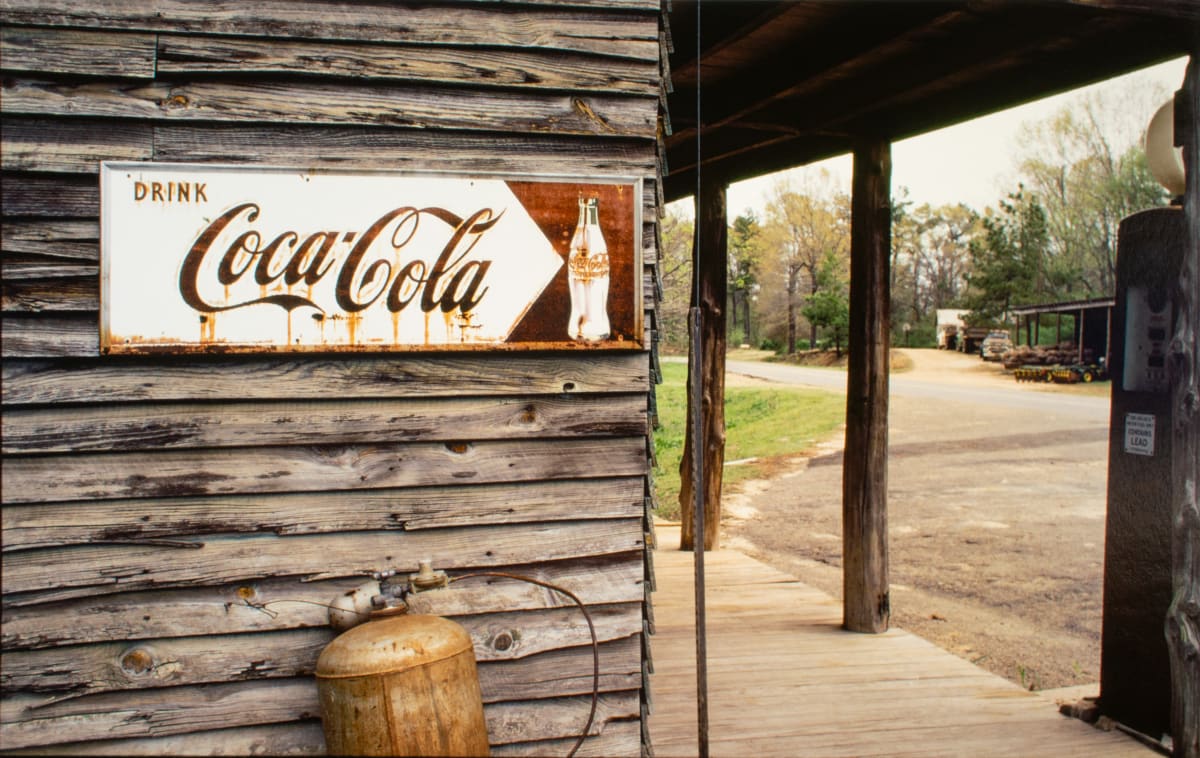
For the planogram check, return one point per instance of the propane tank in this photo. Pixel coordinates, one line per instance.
(402, 684)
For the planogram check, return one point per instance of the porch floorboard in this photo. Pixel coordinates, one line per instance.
(785, 680)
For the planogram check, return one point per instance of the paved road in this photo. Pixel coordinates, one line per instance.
(930, 386)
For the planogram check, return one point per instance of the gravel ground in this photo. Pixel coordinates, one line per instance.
(996, 524)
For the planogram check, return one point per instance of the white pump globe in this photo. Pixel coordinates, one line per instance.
(1166, 160)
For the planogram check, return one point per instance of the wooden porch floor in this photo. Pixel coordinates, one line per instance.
(785, 680)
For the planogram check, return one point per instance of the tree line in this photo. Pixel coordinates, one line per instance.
(1053, 237)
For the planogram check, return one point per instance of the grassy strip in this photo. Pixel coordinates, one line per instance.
(766, 423)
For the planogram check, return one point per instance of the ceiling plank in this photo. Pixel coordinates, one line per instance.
(894, 75)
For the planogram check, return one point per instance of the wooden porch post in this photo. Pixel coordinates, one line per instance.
(1081, 315)
(1108, 339)
(1183, 615)
(866, 605)
(712, 231)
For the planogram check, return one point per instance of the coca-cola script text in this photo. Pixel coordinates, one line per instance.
(377, 266)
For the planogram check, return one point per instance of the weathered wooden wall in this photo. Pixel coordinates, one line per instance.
(169, 523)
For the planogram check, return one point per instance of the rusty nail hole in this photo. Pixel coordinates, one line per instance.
(245, 592)
(137, 661)
(458, 447)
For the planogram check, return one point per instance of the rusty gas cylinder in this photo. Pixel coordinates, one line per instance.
(402, 685)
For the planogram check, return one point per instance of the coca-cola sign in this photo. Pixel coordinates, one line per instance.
(223, 258)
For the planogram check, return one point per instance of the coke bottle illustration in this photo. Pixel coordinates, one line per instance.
(588, 276)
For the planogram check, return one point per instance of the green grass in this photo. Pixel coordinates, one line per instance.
(767, 423)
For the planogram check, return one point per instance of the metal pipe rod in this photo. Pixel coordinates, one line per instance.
(695, 403)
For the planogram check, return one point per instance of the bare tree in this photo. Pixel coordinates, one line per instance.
(1088, 170)
(675, 267)
(803, 225)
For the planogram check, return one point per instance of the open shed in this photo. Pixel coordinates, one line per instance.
(1090, 329)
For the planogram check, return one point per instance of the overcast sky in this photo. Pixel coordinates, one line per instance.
(973, 162)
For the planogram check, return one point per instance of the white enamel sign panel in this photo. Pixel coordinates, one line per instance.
(1139, 433)
(199, 258)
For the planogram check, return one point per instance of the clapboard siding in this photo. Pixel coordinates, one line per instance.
(90, 570)
(78, 51)
(32, 194)
(49, 195)
(27, 527)
(15, 268)
(510, 723)
(49, 336)
(175, 525)
(245, 667)
(524, 68)
(337, 422)
(216, 378)
(139, 55)
(76, 146)
(179, 710)
(112, 666)
(619, 737)
(50, 293)
(171, 473)
(46, 241)
(294, 738)
(160, 712)
(555, 26)
(276, 604)
(432, 107)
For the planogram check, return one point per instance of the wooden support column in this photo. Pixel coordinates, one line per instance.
(866, 604)
(1183, 615)
(1108, 338)
(1082, 332)
(711, 236)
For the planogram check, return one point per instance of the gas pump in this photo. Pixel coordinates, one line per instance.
(1135, 675)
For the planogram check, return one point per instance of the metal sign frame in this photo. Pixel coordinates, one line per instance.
(206, 258)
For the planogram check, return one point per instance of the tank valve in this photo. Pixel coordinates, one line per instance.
(426, 578)
(354, 607)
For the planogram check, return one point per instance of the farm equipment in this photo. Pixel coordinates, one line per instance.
(1061, 374)
(1078, 373)
(1032, 373)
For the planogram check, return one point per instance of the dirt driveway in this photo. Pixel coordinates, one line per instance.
(996, 521)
